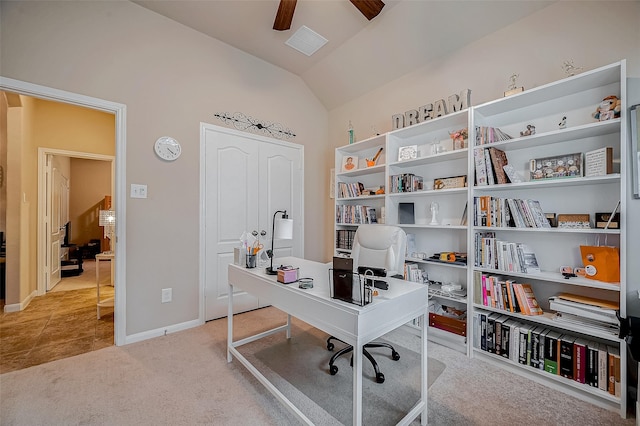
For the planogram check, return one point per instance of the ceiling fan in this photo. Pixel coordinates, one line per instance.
(369, 8)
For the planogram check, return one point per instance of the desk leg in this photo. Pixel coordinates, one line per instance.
(357, 383)
(288, 326)
(230, 323)
(424, 382)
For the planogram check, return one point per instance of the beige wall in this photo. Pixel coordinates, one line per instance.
(170, 78)
(535, 48)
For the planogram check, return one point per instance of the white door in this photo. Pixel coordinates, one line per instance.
(58, 198)
(247, 178)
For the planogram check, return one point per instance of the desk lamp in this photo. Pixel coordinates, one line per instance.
(107, 219)
(285, 232)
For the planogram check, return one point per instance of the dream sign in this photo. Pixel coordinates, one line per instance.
(432, 110)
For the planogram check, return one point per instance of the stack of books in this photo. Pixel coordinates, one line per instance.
(586, 311)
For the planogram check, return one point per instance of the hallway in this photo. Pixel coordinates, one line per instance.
(57, 325)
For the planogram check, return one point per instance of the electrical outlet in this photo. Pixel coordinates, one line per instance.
(166, 295)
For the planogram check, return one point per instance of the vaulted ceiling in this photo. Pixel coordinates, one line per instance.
(360, 54)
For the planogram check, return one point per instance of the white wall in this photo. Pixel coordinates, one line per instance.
(170, 78)
(593, 34)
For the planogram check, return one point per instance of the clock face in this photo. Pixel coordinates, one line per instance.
(167, 148)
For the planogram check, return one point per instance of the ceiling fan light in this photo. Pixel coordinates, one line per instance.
(306, 41)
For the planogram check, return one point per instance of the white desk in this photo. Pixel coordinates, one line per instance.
(355, 325)
(104, 303)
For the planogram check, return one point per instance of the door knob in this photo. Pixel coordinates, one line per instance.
(263, 232)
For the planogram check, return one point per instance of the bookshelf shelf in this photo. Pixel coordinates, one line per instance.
(600, 394)
(613, 178)
(362, 197)
(556, 277)
(379, 168)
(550, 230)
(548, 319)
(574, 98)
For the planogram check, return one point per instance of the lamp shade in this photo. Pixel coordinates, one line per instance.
(283, 229)
(107, 218)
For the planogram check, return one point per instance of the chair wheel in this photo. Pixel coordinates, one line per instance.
(379, 378)
(395, 356)
(334, 370)
(330, 346)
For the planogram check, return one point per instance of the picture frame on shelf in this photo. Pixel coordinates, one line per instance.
(450, 182)
(598, 162)
(407, 152)
(558, 167)
(575, 221)
(349, 163)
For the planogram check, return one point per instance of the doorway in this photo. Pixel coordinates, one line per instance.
(25, 289)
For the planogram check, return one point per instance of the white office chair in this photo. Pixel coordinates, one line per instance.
(376, 246)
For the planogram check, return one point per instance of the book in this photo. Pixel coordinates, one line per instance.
(579, 360)
(566, 356)
(499, 160)
(614, 386)
(598, 162)
(534, 357)
(529, 259)
(603, 367)
(591, 374)
(551, 352)
(490, 176)
(406, 213)
(527, 299)
(511, 173)
(542, 347)
(523, 342)
(480, 166)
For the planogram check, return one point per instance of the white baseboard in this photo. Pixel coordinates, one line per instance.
(17, 307)
(138, 337)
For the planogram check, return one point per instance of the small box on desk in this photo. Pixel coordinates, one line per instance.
(451, 325)
(287, 275)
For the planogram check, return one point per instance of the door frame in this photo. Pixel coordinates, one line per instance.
(119, 177)
(43, 240)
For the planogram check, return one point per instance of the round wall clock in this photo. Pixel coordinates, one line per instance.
(167, 148)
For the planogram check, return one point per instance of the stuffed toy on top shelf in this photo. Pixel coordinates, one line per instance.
(608, 109)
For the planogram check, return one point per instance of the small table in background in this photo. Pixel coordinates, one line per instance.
(105, 303)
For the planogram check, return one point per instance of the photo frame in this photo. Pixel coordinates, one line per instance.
(407, 152)
(349, 163)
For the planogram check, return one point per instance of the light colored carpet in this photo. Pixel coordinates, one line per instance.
(184, 379)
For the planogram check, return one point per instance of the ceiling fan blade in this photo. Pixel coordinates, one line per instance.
(369, 8)
(284, 15)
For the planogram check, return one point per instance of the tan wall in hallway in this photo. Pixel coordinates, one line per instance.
(90, 182)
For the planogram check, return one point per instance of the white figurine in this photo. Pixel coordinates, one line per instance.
(434, 213)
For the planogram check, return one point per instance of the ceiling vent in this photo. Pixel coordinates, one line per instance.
(306, 40)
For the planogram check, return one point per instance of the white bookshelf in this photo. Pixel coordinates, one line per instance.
(575, 98)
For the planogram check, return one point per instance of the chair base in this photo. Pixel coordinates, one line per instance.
(333, 369)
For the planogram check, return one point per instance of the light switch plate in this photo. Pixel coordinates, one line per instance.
(138, 191)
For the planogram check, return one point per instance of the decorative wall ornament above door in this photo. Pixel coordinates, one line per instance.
(247, 123)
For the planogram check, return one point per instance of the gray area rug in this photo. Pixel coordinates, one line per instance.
(303, 360)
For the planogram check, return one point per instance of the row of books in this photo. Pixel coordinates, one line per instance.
(356, 214)
(406, 182)
(585, 361)
(344, 238)
(491, 253)
(353, 189)
(485, 135)
(412, 272)
(508, 295)
(509, 212)
(490, 167)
